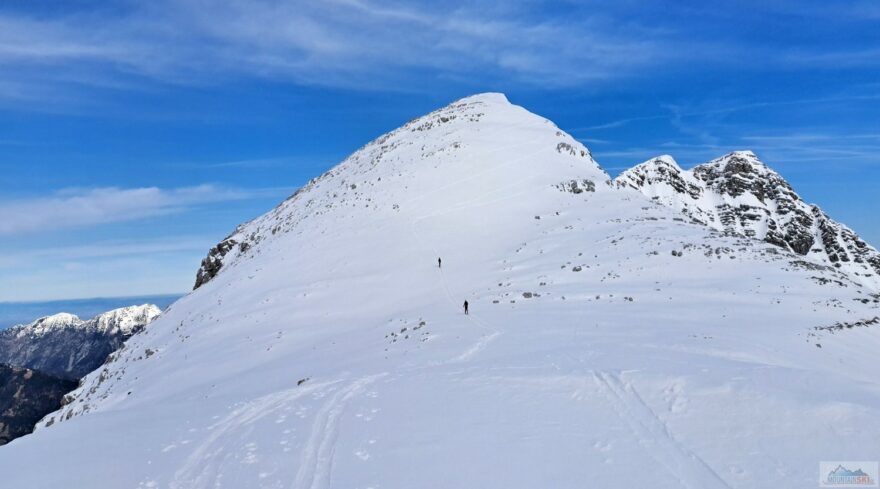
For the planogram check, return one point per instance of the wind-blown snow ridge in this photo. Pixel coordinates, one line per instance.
(739, 194)
(610, 341)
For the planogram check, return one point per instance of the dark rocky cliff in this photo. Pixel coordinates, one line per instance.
(25, 397)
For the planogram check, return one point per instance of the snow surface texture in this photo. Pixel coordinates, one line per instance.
(611, 343)
(740, 195)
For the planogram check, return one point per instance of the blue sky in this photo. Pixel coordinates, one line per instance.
(134, 135)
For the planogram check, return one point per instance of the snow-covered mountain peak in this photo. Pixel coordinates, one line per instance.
(740, 195)
(478, 145)
(742, 165)
(126, 320)
(487, 98)
(659, 164)
(49, 323)
(327, 345)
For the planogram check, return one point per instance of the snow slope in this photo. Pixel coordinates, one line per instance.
(610, 342)
(740, 195)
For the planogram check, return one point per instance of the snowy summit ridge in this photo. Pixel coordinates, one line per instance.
(610, 340)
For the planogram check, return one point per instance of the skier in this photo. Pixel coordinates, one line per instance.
(439, 263)
(465, 307)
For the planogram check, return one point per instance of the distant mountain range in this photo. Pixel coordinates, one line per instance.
(15, 313)
(42, 361)
(66, 346)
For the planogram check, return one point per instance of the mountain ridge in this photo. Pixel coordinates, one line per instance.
(63, 345)
(328, 348)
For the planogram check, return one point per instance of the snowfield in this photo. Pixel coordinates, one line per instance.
(611, 342)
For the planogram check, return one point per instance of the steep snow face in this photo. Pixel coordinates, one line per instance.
(609, 342)
(740, 195)
(65, 346)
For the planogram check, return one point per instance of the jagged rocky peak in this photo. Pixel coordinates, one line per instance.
(741, 172)
(470, 134)
(738, 194)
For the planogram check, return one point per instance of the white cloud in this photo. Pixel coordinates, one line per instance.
(349, 43)
(106, 249)
(75, 208)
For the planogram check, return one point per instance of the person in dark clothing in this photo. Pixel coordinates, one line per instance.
(439, 263)
(465, 307)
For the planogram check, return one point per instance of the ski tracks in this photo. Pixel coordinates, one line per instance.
(653, 434)
(204, 467)
(476, 347)
(488, 337)
(316, 461)
(471, 204)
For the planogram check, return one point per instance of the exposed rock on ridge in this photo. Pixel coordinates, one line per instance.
(740, 195)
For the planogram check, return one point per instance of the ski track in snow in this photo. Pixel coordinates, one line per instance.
(316, 462)
(204, 467)
(473, 203)
(653, 434)
(205, 464)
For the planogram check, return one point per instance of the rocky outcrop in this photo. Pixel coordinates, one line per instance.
(26, 396)
(212, 263)
(63, 345)
(739, 195)
(577, 186)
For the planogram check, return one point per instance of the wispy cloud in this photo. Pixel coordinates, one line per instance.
(619, 123)
(676, 113)
(811, 137)
(103, 250)
(367, 44)
(76, 208)
(836, 59)
(347, 43)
